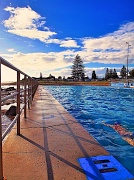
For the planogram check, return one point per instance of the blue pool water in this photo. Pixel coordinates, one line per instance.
(91, 105)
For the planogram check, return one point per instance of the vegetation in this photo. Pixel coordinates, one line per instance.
(111, 74)
(78, 73)
(78, 76)
(40, 76)
(123, 72)
(94, 75)
(131, 73)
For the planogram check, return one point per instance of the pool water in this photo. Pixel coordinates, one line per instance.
(93, 105)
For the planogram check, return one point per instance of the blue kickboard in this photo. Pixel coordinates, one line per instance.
(104, 168)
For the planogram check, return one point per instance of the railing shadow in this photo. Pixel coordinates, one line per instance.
(49, 164)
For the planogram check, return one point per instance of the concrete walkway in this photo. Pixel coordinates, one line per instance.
(51, 141)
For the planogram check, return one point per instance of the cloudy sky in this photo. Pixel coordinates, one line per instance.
(45, 36)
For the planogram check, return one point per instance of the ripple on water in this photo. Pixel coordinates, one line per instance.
(91, 105)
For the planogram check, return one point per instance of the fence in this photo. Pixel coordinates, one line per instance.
(29, 88)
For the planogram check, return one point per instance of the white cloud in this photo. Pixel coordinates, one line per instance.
(32, 33)
(55, 63)
(62, 72)
(8, 74)
(21, 18)
(111, 48)
(125, 28)
(11, 50)
(68, 43)
(26, 23)
(100, 71)
(64, 42)
(34, 63)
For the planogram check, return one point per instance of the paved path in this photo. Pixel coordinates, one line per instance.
(51, 141)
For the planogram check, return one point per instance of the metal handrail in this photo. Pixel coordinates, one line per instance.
(8, 97)
(9, 127)
(30, 86)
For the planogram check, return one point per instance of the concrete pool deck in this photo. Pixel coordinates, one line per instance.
(50, 143)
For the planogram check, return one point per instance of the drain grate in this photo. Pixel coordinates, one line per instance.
(104, 168)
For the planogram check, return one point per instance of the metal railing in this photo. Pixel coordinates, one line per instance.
(29, 88)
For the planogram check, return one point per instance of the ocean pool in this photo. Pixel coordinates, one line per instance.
(93, 105)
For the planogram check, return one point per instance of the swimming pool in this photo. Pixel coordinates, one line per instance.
(91, 105)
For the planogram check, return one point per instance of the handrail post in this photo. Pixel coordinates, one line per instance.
(18, 102)
(28, 93)
(1, 161)
(25, 94)
(31, 91)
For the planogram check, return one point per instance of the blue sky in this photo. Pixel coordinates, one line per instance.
(45, 36)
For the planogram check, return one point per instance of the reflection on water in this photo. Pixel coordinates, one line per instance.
(92, 105)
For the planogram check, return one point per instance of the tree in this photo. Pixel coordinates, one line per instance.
(64, 79)
(132, 73)
(94, 75)
(107, 74)
(40, 76)
(110, 73)
(123, 72)
(59, 78)
(78, 69)
(115, 74)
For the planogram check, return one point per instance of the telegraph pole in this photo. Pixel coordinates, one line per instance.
(127, 58)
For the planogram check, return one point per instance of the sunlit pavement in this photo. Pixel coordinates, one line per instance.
(50, 143)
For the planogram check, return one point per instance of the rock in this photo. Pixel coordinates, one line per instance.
(12, 111)
(10, 89)
(3, 111)
(8, 102)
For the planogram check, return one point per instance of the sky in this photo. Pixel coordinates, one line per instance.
(45, 36)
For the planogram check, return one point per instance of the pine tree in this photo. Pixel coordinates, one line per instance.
(115, 74)
(78, 73)
(94, 75)
(107, 74)
(110, 73)
(132, 73)
(123, 72)
(40, 76)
